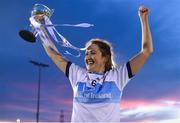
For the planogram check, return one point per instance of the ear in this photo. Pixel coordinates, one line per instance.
(105, 58)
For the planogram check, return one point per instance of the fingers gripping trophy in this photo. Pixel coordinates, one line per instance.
(38, 13)
(41, 25)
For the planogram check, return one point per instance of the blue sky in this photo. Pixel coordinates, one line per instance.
(153, 95)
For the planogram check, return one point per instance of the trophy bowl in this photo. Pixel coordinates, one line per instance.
(42, 9)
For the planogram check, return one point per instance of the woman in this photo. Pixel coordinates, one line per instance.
(98, 88)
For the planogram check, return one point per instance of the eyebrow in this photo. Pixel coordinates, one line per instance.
(90, 50)
(87, 51)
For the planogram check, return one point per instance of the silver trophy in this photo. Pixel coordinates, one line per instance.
(40, 16)
(30, 34)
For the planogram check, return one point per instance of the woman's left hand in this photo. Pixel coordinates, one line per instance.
(143, 12)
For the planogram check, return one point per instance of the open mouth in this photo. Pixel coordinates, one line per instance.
(90, 62)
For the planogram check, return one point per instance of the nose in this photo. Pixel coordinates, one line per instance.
(88, 57)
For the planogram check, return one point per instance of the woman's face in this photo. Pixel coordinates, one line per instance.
(94, 60)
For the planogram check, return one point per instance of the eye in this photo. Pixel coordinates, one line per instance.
(92, 52)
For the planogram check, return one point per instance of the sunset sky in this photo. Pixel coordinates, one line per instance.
(153, 95)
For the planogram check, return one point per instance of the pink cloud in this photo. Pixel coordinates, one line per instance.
(131, 103)
(150, 110)
(134, 103)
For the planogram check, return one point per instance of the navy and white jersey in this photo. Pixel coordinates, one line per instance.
(96, 97)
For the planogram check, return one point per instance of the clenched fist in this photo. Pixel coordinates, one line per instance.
(143, 12)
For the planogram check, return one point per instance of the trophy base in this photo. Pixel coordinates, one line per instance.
(27, 36)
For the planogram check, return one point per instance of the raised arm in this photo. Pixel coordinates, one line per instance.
(147, 47)
(56, 57)
(52, 51)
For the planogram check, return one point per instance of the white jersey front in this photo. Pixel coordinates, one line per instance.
(97, 96)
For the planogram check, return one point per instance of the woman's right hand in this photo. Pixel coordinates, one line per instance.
(39, 17)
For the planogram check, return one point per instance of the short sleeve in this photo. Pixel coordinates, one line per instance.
(74, 73)
(124, 75)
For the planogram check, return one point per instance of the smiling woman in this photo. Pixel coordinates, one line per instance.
(98, 87)
(101, 51)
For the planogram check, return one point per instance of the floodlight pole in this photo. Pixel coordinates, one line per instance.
(40, 65)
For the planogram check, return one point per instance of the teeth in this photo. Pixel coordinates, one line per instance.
(90, 62)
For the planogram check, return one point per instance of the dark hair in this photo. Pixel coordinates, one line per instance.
(106, 50)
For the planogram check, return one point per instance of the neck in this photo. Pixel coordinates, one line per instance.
(96, 71)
